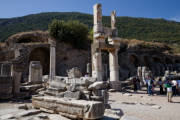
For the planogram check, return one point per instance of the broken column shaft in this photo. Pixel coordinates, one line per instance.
(52, 71)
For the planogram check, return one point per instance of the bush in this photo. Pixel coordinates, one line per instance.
(72, 32)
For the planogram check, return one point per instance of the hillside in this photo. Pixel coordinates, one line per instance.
(158, 30)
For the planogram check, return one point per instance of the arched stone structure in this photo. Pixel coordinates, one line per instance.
(41, 54)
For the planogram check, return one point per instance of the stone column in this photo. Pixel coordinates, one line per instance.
(114, 70)
(97, 65)
(98, 39)
(52, 71)
(97, 18)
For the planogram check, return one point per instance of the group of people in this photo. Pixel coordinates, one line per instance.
(169, 86)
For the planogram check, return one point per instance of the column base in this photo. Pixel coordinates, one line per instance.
(115, 85)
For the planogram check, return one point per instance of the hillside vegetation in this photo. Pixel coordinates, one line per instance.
(156, 30)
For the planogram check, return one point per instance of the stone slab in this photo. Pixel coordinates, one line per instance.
(70, 108)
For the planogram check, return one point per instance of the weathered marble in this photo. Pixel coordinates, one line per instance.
(70, 108)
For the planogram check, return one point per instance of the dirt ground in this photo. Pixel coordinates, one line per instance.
(145, 107)
(137, 105)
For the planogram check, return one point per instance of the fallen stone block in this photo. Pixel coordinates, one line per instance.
(27, 113)
(71, 108)
(113, 114)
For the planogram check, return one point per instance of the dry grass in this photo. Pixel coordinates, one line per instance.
(33, 36)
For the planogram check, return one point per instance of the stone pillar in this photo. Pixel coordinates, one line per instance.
(97, 18)
(97, 66)
(35, 72)
(98, 39)
(52, 71)
(114, 70)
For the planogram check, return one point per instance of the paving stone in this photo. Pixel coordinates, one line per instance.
(57, 117)
(129, 118)
(6, 116)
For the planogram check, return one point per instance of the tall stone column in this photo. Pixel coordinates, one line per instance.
(113, 55)
(98, 39)
(52, 71)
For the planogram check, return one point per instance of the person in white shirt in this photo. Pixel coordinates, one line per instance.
(174, 84)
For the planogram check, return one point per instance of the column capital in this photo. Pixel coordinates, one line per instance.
(52, 42)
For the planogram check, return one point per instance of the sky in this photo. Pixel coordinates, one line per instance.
(167, 9)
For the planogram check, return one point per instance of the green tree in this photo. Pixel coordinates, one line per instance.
(72, 32)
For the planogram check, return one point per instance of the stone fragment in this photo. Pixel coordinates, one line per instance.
(113, 114)
(98, 85)
(156, 107)
(23, 106)
(112, 90)
(43, 116)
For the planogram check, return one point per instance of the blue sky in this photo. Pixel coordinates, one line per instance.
(168, 9)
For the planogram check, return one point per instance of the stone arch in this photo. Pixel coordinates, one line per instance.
(134, 60)
(41, 54)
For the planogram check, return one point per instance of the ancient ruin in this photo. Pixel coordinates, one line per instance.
(99, 44)
(73, 83)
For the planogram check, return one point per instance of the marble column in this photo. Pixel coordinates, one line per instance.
(97, 65)
(114, 70)
(98, 39)
(52, 71)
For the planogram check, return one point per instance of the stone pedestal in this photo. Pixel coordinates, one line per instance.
(52, 71)
(35, 72)
(114, 70)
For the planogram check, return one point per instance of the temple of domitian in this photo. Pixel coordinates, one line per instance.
(99, 43)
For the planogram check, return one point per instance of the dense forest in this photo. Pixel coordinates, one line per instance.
(158, 30)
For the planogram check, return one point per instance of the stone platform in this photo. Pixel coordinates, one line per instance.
(74, 109)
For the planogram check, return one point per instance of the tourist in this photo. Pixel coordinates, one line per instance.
(150, 85)
(146, 80)
(174, 84)
(160, 83)
(134, 80)
(168, 85)
(138, 84)
(178, 86)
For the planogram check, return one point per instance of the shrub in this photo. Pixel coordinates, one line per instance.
(72, 32)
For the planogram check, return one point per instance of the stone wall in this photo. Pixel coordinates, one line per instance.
(6, 87)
